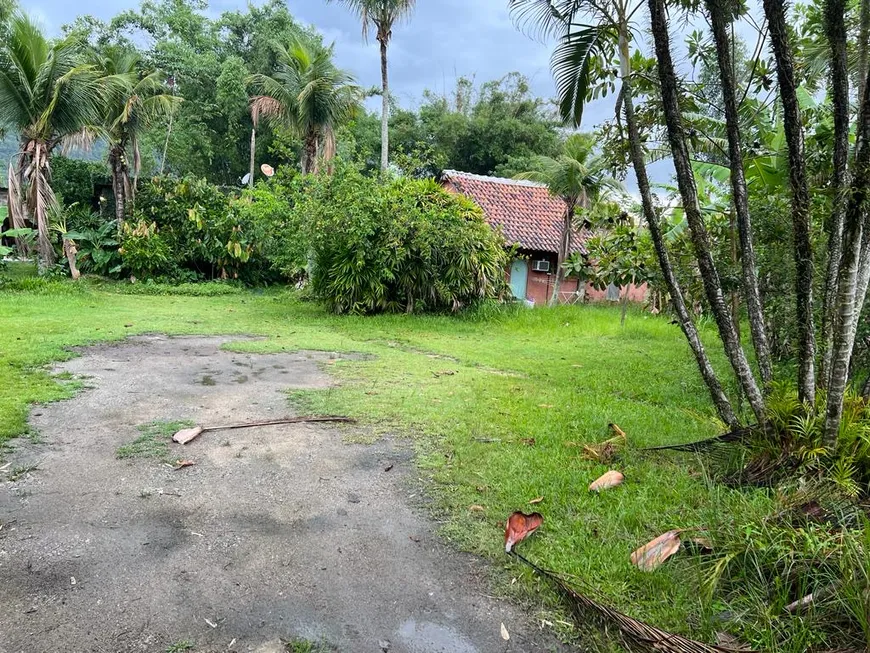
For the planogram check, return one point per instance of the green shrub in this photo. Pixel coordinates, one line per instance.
(144, 250)
(399, 245)
(274, 231)
(74, 179)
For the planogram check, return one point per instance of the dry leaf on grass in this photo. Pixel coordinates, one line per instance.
(652, 554)
(618, 432)
(519, 527)
(606, 481)
(529, 442)
(477, 509)
(538, 500)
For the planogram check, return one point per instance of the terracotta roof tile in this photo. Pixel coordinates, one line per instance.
(528, 215)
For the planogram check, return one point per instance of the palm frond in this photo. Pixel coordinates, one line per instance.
(571, 64)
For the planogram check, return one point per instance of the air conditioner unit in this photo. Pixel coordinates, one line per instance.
(541, 266)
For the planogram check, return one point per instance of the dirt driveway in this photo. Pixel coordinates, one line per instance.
(275, 533)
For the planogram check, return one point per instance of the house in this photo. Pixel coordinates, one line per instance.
(530, 218)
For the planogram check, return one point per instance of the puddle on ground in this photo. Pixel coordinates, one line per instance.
(426, 637)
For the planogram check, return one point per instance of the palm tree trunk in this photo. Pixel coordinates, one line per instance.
(309, 154)
(863, 47)
(564, 249)
(385, 107)
(166, 143)
(850, 298)
(719, 20)
(717, 394)
(70, 250)
(836, 31)
(41, 196)
(16, 206)
(689, 193)
(774, 10)
(118, 188)
(253, 157)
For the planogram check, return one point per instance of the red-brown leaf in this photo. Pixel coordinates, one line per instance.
(519, 527)
(606, 481)
(651, 555)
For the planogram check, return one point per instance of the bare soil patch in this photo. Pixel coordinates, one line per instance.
(275, 533)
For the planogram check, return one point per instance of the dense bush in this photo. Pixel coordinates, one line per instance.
(399, 245)
(190, 229)
(73, 180)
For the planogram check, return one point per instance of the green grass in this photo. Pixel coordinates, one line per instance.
(306, 646)
(154, 441)
(556, 375)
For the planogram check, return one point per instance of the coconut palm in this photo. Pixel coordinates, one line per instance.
(134, 100)
(579, 178)
(311, 95)
(589, 32)
(50, 97)
(383, 15)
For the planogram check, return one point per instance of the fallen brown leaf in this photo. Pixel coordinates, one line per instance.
(519, 527)
(606, 481)
(616, 430)
(181, 464)
(477, 509)
(536, 501)
(529, 442)
(652, 554)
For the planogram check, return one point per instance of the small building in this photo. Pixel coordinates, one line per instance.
(530, 218)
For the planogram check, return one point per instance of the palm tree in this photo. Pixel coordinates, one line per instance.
(135, 100)
(588, 30)
(579, 178)
(49, 96)
(383, 14)
(310, 94)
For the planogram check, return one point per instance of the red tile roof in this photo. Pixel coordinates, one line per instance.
(528, 215)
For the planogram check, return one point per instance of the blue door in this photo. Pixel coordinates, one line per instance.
(519, 278)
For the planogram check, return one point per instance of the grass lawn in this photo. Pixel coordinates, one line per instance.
(471, 393)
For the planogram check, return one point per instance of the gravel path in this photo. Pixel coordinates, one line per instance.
(275, 533)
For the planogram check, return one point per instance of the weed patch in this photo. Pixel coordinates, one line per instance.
(154, 441)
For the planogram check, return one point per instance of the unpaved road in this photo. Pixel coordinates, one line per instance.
(275, 533)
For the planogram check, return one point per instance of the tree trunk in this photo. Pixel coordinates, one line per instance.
(166, 144)
(385, 108)
(16, 205)
(118, 187)
(863, 47)
(698, 231)
(41, 196)
(720, 20)
(564, 250)
(836, 32)
(717, 394)
(253, 156)
(774, 10)
(70, 250)
(625, 304)
(309, 153)
(849, 304)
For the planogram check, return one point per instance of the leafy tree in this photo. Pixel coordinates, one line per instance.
(48, 96)
(311, 95)
(578, 177)
(383, 14)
